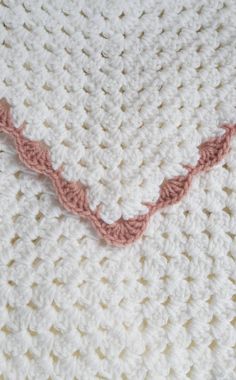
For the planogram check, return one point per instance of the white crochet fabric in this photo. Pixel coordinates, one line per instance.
(122, 92)
(72, 307)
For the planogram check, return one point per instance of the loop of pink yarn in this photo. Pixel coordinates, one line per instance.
(73, 195)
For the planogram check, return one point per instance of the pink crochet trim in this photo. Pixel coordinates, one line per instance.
(73, 195)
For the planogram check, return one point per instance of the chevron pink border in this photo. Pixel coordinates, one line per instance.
(73, 195)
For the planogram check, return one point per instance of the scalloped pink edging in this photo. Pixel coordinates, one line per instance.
(73, 195)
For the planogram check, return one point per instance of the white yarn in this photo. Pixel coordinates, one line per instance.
(72, 307)
(122, 92)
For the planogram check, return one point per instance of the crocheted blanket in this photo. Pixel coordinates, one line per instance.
(122, 113)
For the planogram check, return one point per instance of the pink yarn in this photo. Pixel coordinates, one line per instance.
(73, 195)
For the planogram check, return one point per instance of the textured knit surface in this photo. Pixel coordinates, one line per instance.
(72, 307)
(122, 92)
